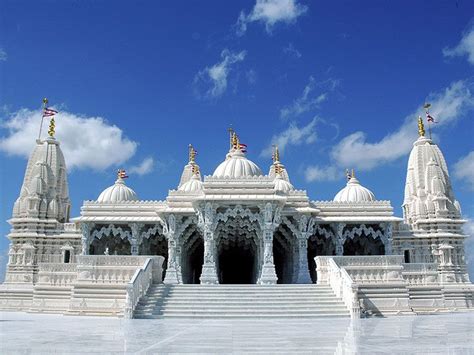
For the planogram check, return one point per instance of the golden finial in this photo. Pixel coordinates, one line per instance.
(235, 141)
(51, 127)
(421, 127)
(192, 154)
(276, 154)
(353, 175)
(45, 101)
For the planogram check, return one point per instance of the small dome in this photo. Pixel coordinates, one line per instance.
(118, 192)
(237, 165)
(192, 186)
(354, 192)
(282, 185)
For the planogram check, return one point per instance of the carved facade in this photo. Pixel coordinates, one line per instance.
(236, 225)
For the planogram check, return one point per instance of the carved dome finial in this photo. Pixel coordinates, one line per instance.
(421, 127)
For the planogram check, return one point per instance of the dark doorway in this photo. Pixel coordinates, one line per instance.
(192, 260)
(236, 265)
(363, 245)
(318, 245)
(406, 254)
(283, 258)
(67, 256)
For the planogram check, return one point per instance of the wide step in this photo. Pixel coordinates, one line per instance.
(240, 302)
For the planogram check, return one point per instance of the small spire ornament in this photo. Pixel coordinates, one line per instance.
(421, 127)
(52, 126)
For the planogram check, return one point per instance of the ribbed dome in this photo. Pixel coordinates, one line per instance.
(118, 192)
(192, 186)
(282, 185)
(237, 165)
(354, 192)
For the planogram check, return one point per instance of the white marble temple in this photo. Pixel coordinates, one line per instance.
(22, 333)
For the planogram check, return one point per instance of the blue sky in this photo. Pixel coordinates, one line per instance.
(336, 84)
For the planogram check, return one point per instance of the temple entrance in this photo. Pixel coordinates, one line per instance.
(156, 245)
(192, 259)
(318, 245)
(364, 245)
(283, 257)
(237, 260)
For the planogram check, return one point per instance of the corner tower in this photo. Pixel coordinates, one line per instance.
(432, 215)
(40, 229)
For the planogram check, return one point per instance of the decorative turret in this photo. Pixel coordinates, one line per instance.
(277, 162)
(44, 193)
(188, 168)
(236, 164)
(354, 191)
(118, 192)
(428, 191)
(193, 185)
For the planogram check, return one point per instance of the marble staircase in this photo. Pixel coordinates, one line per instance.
(240, 301)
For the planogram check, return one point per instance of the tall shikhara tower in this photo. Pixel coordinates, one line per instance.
(432, 215)
(40, 229)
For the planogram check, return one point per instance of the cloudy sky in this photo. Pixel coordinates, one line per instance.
(336, 84)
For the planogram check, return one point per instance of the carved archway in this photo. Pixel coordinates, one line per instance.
(284, 245)
(363, 240)
(154, 242)
(191, 255)
(322, 242)
(238, 249)
(111, 239)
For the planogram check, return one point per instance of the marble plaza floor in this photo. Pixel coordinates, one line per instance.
(22, 333)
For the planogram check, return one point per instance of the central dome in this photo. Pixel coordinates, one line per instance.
(354, 192)
(237, 165)
(118, 192)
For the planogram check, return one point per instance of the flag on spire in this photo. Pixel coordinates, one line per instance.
(243, 147)
(430, 118)
(121, 174)
(48, 112)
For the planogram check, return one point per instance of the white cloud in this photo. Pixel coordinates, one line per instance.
(292, 51)
(308, 100)
(464, 170)
(326, 173)
(293, 135)
(87, 142)
(270, 12)
(355, 151)
(464, 47)
(3, 55)
(145, 167)
(214, 79)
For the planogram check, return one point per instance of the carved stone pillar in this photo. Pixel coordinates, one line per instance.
(387, 237)
(339, 242)
(269, 221)
(135, 239)
(303, 272)
(86, 231)
(209, 270)
(268, 275)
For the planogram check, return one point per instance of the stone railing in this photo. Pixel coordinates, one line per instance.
(372, 269)
(109, 269)
(141, 282)
(420, 274)
(57, 274)
(340, 282)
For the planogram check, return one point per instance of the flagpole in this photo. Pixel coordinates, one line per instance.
(45, 102)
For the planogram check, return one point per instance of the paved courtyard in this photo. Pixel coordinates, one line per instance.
(22, 333)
